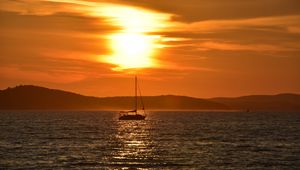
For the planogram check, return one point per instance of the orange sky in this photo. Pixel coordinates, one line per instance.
(200, 48)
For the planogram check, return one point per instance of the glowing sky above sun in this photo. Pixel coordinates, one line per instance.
(201, 48)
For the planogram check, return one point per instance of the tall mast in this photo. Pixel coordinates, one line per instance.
(135, 93)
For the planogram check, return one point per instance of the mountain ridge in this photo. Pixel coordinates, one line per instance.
(31, 97)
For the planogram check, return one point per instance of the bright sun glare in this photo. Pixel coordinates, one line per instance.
(133, 47)
(132, 50)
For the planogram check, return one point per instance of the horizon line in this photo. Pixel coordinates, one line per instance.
(246, 95)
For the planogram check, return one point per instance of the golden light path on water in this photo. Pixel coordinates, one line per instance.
(135, 144)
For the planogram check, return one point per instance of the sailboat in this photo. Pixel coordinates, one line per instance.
(134, 114)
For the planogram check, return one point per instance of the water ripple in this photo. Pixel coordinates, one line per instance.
(166, 140)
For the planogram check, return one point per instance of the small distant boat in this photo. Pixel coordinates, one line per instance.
(134, 114)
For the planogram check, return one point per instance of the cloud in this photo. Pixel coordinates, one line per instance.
(243, 47)
(254, 23)
(273, 35)
(31, 40)
(60, 31)
(39, 76)
(56, 48)
(34, 7)
(55, 70)
(62, 22)
(294, 29)
(202, 10)
(191, 11)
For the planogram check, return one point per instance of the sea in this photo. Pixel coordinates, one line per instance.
(165, 140)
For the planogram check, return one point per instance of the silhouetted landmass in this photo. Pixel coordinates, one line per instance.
(280, 102)
(35, 98)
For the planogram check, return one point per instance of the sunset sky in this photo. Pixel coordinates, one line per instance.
(199, 48)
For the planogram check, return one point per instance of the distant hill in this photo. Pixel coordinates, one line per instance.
(280, 102)
(35, 98)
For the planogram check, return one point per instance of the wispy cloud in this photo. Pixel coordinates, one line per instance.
(221, 25)
(227, 46)
(39, 76)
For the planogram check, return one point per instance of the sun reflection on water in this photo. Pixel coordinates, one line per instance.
(135, 142)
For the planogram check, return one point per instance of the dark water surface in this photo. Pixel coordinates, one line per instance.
(166, 140)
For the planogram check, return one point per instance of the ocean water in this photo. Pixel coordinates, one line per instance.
(166, 140)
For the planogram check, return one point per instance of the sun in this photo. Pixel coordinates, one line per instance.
(132, 50)
(133, 46)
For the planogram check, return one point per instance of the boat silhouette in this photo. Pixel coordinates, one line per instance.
(134, 114)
